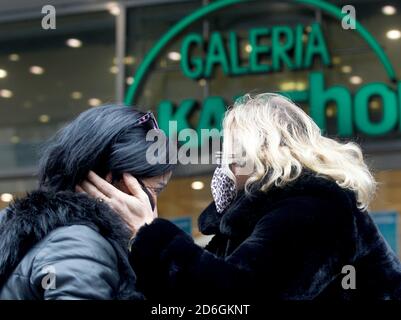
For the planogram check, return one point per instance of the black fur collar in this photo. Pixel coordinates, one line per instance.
(29, 220)
(240, 218)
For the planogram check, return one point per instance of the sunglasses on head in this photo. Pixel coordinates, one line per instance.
(147, 118)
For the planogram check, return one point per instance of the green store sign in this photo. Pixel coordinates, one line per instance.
(200, 59)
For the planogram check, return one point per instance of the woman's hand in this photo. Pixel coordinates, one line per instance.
(134, 209)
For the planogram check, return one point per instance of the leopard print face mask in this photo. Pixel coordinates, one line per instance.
(223, 190)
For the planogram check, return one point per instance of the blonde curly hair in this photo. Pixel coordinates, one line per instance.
(279, 140)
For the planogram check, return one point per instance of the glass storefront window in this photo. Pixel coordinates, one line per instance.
(145, 26)
(355, 64)
(47, 77)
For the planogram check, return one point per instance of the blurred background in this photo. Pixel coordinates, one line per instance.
(47, 77)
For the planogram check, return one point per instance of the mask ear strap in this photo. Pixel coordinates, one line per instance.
(152, 202)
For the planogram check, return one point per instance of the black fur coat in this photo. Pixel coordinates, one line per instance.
(67, 237)
(290, 243)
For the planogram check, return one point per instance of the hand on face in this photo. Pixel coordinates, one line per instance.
(127, 198)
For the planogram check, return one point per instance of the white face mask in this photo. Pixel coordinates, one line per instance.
(223, 190)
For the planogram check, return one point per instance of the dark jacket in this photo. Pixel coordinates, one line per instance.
(289, 243)
(64, 245)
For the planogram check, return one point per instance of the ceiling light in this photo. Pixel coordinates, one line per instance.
(393, 34)
(94, 102)
(355, 80)
(13, 57)
(76, 95)
(300, 85)
(293, 85)
(6, 197)
(288, 85)
(174, 56)
(113, 69)
(130, 80)
(375, 105)
(330, 112)
(197, 185)
(74, 43)
(346, 69)
(3, 73)
(44, 118)
(129, 60)
(37, 70)
(389, 10)
(5, 93)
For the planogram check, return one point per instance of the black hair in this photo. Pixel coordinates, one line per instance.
(103, 139)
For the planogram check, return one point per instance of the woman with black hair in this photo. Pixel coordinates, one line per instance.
(57, 243)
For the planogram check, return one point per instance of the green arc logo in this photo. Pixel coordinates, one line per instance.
(215, 6)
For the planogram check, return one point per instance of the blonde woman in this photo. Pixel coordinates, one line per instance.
(289, 218)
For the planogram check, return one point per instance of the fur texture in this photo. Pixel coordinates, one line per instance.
(27, 221)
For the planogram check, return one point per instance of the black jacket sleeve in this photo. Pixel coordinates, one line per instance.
(293, 252)
(75, 263)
